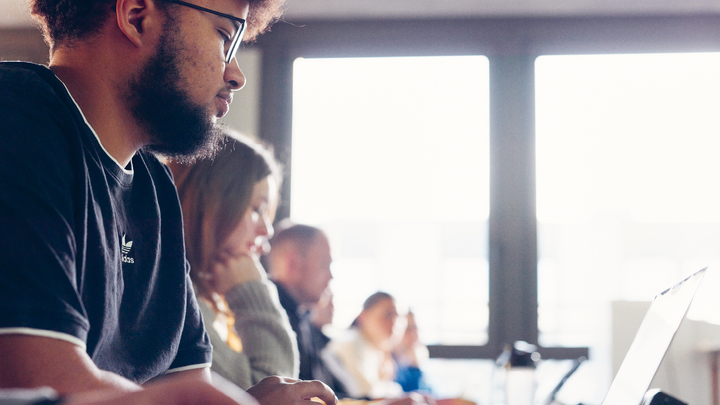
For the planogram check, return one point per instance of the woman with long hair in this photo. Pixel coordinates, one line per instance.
(228, 204)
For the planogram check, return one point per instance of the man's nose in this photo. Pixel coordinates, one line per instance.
(233, 75)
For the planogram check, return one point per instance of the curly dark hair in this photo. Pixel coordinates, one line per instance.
(65, 21)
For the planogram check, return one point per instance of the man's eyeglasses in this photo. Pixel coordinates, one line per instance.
(239, 30)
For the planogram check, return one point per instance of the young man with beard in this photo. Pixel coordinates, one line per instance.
(94, 288)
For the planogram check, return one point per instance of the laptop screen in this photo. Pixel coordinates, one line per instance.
(652, 340)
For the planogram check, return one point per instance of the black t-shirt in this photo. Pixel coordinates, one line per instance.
(90, 252)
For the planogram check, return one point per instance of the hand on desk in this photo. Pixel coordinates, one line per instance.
(288, 391)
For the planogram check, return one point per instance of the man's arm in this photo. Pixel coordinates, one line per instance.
(192, 391)
(171, 391)
(35, 361)
(272, 390)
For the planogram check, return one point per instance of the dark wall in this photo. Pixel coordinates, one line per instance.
(23, 44)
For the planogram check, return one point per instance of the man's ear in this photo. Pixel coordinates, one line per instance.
(137, 18)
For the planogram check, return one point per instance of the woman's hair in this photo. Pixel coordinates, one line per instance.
(67, 21)
(215, 194)
(370, 302)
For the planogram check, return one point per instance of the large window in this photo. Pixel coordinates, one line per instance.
(390, 157)
(627, 188)
(567, 233)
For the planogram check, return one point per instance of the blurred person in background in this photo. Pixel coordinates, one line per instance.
(299, 264)
(362, 358)
(322, 313)
(381, 351)
(408, 355)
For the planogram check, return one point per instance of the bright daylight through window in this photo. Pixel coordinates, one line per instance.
(390, 157)
(627, 200)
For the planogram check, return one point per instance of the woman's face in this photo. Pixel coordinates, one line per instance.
(256, 224)
(378, 322)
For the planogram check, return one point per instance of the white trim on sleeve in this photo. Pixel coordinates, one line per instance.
(44, 333)
(191, 367)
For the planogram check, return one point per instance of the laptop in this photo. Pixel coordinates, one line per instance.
(651, 342)
(649, 346)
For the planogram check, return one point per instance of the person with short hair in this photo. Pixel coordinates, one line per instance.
(299, 264)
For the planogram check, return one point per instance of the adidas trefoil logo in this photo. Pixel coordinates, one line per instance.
(126, 246)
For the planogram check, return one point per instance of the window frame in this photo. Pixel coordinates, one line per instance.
(511, 46)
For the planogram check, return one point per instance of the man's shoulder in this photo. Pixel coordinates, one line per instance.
(23, 74)
(39, 118)
(26, 85)
(287, 301)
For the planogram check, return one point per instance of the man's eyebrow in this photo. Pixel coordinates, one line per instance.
(235, 23)
(236, 20)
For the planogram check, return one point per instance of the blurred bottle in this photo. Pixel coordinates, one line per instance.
(514, 375)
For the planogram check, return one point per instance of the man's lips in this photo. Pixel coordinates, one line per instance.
(224, 103)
